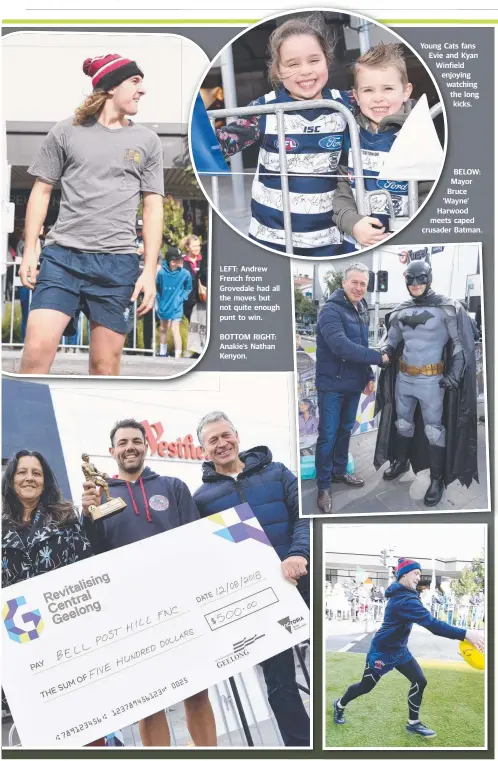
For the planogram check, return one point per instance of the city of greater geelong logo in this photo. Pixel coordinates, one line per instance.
(292, 624)
(15, 632)
(240, 650)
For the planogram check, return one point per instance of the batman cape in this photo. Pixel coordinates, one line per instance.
(459, 411)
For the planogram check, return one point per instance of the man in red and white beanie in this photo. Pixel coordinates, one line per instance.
(389, 646)
(105, 164)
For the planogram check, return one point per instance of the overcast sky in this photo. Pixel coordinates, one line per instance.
(463, 541)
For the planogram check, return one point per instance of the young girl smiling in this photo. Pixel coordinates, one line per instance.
(300, 58)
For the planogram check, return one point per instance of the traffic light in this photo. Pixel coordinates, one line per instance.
(371, 282)
(382, 281)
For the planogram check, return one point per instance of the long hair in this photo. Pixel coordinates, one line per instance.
(313, 25)
(90, 108)
(56, 509)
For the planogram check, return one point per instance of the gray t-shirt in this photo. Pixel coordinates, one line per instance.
(102, 172)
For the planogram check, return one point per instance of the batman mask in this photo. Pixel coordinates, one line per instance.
(419, 272)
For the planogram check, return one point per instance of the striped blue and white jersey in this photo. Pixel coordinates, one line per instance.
(314, 143)
(374, 149)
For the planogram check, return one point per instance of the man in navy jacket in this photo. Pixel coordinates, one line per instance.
(231, 478)
(154, 504)
(389, 650)
(343, 372)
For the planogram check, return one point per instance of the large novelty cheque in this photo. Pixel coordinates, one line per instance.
(102, 643)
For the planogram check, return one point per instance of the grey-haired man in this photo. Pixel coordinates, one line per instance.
(231, 477)
(343, 372)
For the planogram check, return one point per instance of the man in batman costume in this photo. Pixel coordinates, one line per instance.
(427, 396)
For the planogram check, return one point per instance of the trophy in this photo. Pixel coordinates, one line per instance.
(110, 506)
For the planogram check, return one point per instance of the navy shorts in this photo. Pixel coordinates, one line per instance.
(99, 285)
(383, 663)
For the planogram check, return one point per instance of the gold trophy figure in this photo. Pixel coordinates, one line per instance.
(110, 506)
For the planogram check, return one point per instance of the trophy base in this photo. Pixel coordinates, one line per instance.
(111, 507)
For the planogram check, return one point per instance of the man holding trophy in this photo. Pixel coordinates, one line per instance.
(154, 504)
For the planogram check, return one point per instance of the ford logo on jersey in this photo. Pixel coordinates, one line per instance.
(290, 144)
(331, 142)
(393, 186)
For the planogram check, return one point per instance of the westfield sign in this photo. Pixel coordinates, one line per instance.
(179, 449)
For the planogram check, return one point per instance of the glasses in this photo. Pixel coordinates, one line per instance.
(422, 279)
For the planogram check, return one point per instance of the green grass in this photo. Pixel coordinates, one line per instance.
(453, 706)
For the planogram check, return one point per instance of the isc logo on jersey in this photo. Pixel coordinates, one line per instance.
(393, 186)
(331, 142)
(290, 144)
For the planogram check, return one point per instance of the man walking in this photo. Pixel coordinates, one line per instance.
(230, 478)
(343, 372)
(105, 163)
(153, 504)
(389, 647)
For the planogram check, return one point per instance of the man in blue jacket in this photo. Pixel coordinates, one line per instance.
(230, 478)
(343, 373)
(389, 650)
(154, 504)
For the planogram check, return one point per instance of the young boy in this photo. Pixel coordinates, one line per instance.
(389, 646)
(382, 91)
(173, 287)
(104, 162)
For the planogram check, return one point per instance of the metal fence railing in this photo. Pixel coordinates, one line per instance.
(362, 196)
(16, 300)
(464, 615)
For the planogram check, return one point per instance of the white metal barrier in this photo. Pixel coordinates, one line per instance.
(82, 339)
(463, 615)
(362, 196)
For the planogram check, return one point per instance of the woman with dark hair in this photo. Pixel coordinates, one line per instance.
(40, 530)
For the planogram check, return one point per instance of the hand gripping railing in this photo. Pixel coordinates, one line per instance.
(280, 109)
(362, 196)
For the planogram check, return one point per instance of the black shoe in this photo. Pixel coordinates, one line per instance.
(435, 491)
(345, 478)
(323, 501)
(420, 729)
(401, 462)
(338, 714)
(397, 468)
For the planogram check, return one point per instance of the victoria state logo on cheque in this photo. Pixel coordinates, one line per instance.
(14, 631)
(239, 650)
(292, 624)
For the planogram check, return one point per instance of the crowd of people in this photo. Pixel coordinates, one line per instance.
(179, 297)
(42, 531)
(357, 601)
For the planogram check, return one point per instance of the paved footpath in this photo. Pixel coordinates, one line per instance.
(422, 643)
(136, 365)
(404, 494)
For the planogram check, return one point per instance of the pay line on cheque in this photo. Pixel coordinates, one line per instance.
(93, 649)
(120, 671)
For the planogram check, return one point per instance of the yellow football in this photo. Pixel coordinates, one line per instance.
(472, 655)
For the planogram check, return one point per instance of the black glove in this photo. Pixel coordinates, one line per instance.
(390, 353)
(452, 379)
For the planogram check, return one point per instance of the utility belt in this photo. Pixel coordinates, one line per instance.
(436, 368)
